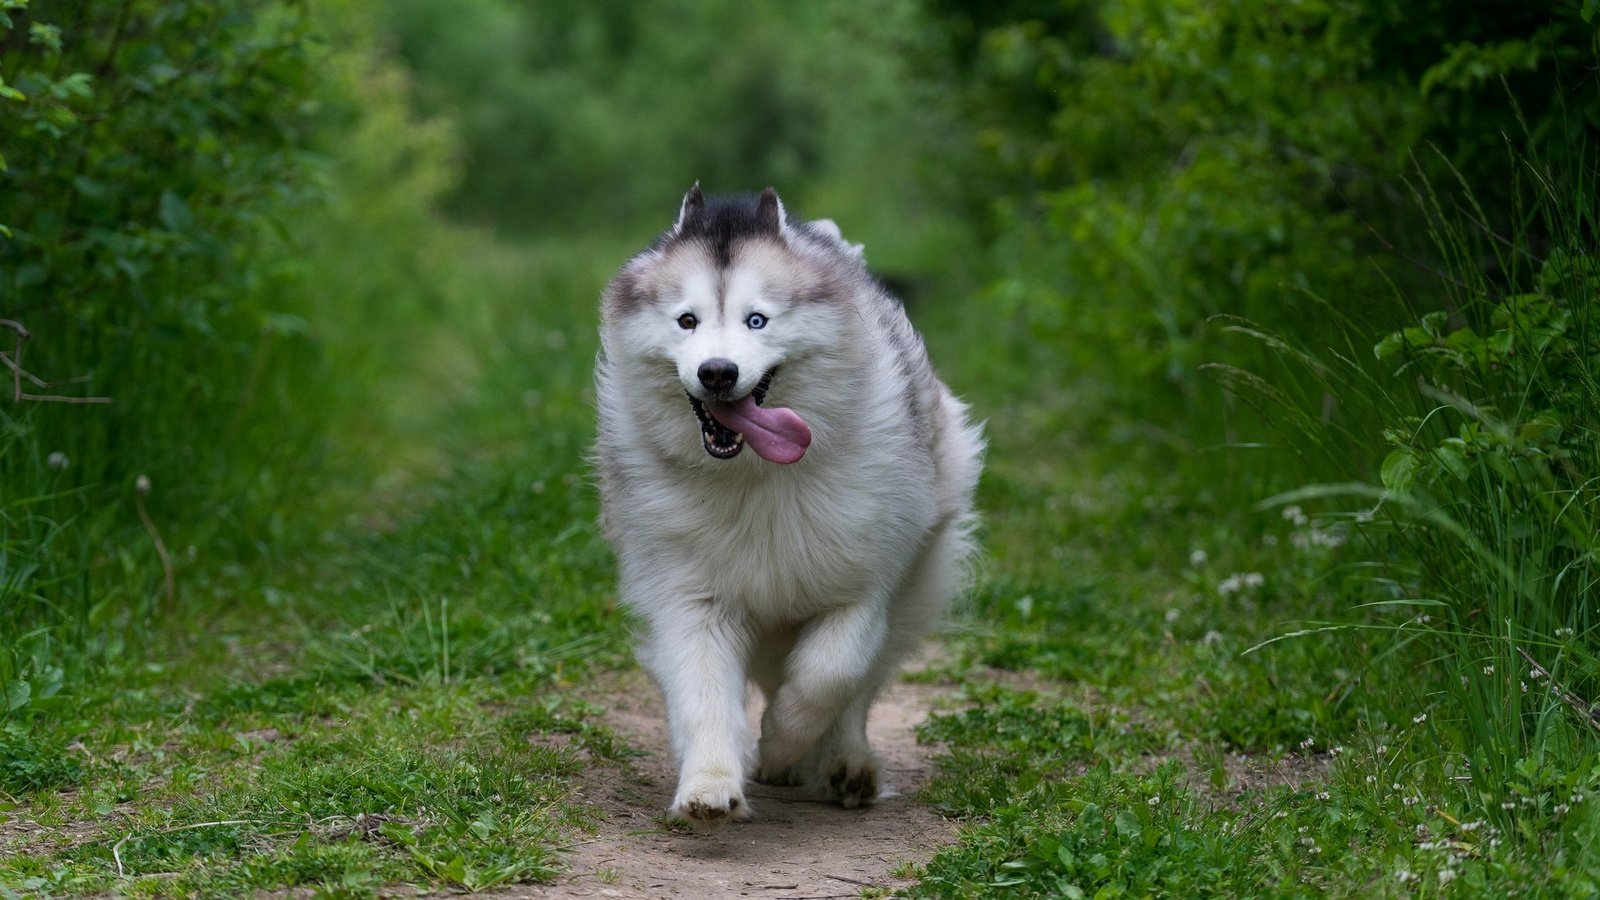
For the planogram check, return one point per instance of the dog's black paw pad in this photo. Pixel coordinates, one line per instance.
(853, 785)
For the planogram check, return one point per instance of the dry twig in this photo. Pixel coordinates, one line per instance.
(1583, 709)
(13, 361)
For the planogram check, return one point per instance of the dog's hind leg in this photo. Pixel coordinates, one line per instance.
(845, 764)
(697, 656)
(832, 665)
(848, 768)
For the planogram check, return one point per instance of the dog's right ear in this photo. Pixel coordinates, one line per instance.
(694, 203)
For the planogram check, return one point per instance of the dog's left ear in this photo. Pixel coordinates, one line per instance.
(694, 203)
(769, 213)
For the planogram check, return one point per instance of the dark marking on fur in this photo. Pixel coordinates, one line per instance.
(769, 211)
(722, 222)
(626, 295)
(694, 205)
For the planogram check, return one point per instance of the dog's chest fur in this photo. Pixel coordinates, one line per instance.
(779, 545)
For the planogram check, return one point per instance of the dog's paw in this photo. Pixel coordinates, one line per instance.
(780, 776)
(710, 801)
(853, 777)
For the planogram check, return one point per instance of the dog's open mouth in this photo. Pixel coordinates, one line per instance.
(776, 435)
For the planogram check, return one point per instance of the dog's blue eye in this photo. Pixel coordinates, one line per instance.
(687, 321)
(756, 320)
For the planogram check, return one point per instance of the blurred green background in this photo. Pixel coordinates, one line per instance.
(335, 266)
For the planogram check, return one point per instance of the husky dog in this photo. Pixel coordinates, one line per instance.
(811, 564)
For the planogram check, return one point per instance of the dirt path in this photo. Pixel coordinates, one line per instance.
(794, 848)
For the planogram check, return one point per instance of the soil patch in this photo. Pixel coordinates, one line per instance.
(795, 847)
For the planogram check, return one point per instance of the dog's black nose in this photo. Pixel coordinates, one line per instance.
(719, 374)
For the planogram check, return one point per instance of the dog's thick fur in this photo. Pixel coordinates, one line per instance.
(814, 579)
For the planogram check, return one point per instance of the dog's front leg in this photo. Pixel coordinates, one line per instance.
(834, 666)
(698, 656)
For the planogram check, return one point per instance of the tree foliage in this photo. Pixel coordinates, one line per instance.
(155, 154)
(1191, 159)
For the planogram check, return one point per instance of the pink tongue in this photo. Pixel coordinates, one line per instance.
(777, 435)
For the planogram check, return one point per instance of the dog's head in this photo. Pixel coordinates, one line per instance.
(739, 300)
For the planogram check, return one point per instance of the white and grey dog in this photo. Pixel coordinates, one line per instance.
(812, 565)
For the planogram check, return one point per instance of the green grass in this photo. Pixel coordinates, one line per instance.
(354, 710)
(1142, 570)
(363, 706)
(1170, 683)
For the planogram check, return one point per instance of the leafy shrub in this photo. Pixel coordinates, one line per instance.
(595, 117)
(153, 152)
(1491, 485)
(203, 203)
(1157, 164)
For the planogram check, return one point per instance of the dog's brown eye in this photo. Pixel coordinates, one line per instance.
(687, 321)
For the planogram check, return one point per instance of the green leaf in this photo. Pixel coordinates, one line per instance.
(47, 35)
(174, 213)
(1399, 470)
(1451, 454)
(1128, 824)
(1392, 343)
(18, 693)
(400, 834)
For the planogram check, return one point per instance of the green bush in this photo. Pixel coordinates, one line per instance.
(204, 204)
(595, 117)
(1157, 164)
(1317, 178)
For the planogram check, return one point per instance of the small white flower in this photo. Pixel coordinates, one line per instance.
(1269, 540)
(1562, 808)
(1488, 670)
(1154, 801)
(1197, 558)
(1306, 744)
(1337, 750)
(1411, 801)
(1563, 632)
(1524, 686)
(1382, 749)
(1295, 514)
(1172, 616)
(1419, 718)
(1372, 779)
(57, 460)
(1404, 876)
(1211, 637)
(1509, 804)
(1323, 795)
(1446, 876)
(1395, 786)
(1240, 581)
